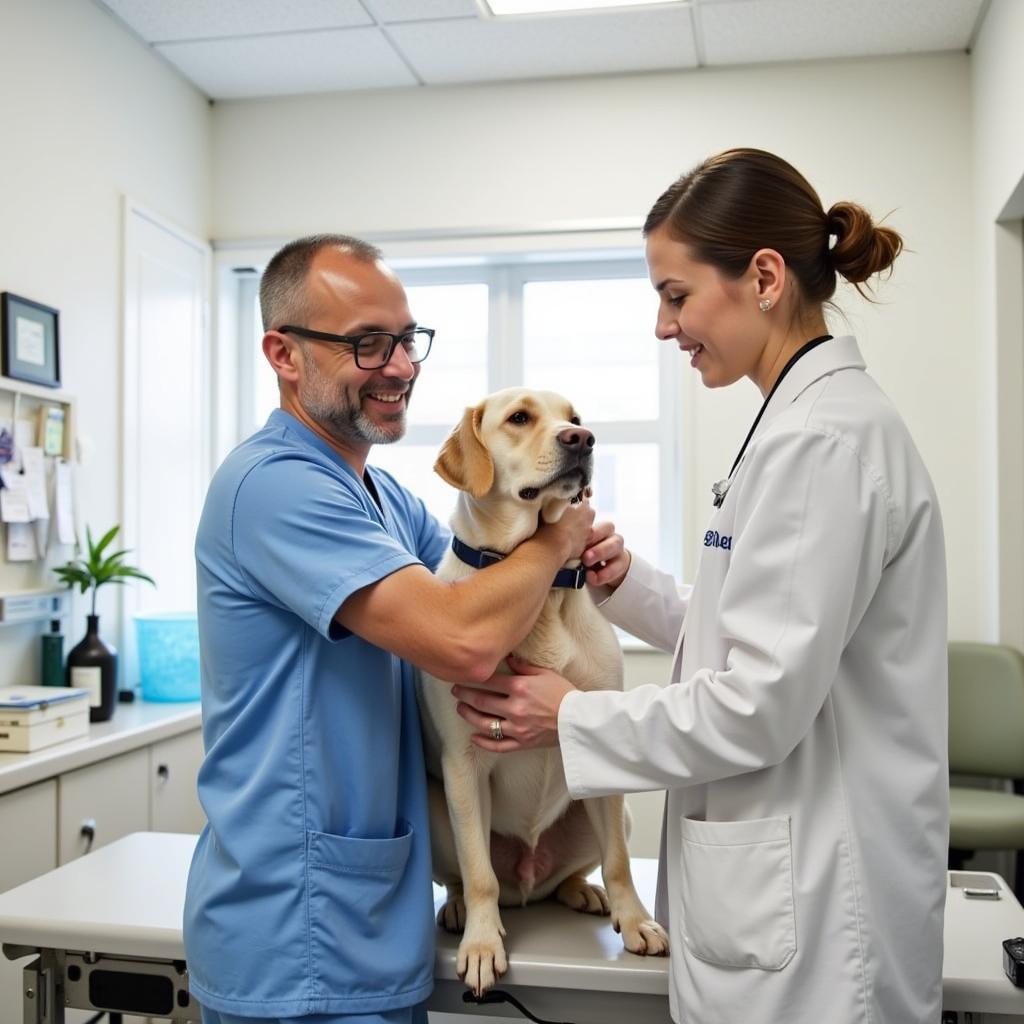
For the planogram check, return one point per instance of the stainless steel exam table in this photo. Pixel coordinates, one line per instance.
(105, 933)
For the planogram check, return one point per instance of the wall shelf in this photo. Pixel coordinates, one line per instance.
(33, 579)
(18, 398)
(34, 605)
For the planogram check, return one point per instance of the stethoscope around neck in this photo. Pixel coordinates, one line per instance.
(721, 488)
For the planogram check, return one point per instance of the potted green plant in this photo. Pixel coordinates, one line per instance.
(92, 664)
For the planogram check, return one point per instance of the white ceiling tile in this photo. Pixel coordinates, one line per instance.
(212, 19)
(594, 43)
(754, 31)
(388, 11)
(330, 44)
(299, 62)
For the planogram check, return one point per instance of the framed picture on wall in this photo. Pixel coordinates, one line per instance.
(30, 340)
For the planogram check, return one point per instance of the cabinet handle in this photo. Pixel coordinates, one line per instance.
(163, 772)
(88, 832)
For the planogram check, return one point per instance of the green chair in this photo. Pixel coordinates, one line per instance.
(986, 739)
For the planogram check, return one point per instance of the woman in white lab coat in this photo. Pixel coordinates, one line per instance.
(803, 745)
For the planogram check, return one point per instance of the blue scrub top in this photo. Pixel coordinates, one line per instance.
(310, 888)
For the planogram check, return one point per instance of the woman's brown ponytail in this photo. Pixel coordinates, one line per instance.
(862, 249)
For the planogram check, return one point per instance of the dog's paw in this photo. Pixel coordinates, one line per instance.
(580, 895)
(481, 962)
(642, 935)
(452, 916)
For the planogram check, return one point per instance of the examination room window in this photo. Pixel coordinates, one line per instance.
(584, 329)
(591, 340)
(453, 375)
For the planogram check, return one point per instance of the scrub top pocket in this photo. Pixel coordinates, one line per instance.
(737, 892)
(359, 912)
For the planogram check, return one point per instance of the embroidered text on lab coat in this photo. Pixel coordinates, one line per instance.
(713, 539)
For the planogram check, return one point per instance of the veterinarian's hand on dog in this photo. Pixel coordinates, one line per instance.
(525, 703)
(605, 556)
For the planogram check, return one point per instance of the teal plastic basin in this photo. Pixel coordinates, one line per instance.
(168, 645)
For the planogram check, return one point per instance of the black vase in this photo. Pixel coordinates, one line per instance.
(92, 664)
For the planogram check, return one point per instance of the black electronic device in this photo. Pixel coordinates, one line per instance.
(1013, 960)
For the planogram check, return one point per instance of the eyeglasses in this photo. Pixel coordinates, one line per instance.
(375, 348)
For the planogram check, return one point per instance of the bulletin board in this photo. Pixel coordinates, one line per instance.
(37, 504)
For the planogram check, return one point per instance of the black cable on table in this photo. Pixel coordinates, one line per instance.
(497, 995)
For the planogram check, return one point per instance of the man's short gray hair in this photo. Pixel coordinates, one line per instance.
(283, 296)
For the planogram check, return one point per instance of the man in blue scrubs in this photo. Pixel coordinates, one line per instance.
(309, 895)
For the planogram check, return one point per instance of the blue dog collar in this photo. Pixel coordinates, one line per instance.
(573, 579)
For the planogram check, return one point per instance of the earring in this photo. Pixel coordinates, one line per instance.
(765, 305)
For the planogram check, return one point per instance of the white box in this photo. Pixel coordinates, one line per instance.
(33, 717)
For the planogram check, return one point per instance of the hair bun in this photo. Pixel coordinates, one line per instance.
(862, 249)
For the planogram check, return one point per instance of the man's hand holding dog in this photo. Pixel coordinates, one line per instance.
(525, 704)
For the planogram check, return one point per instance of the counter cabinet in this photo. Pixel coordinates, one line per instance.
(135, 773)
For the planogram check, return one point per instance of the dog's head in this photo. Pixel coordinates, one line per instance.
(520, 446)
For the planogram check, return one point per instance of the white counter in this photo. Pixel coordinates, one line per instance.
(132, 726)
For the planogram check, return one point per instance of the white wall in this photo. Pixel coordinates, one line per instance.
(88, 115)
(893, 134)
(997, 96)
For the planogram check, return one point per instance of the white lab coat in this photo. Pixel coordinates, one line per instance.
(803, 745)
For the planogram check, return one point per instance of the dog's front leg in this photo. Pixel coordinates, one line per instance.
(452, 915)
(640, 932)
(481, 957)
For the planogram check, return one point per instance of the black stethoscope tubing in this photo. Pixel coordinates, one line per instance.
(720, 489)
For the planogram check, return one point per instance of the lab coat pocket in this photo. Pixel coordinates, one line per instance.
(737, 892)
(358, 915)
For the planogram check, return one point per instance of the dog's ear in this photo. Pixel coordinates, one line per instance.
(464, 461)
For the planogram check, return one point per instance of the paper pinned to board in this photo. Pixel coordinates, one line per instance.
(21, 543)
(13, 496)
(41, 528)
(33, 467)
(24, 437)
(63, 502)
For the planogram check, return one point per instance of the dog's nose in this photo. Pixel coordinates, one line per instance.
(576, 439)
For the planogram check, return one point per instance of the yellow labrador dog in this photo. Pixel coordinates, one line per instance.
(504, 829)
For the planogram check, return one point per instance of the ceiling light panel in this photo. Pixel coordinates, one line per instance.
(494, 49)
(505, 8)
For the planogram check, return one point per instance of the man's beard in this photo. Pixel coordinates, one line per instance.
(328, 404)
